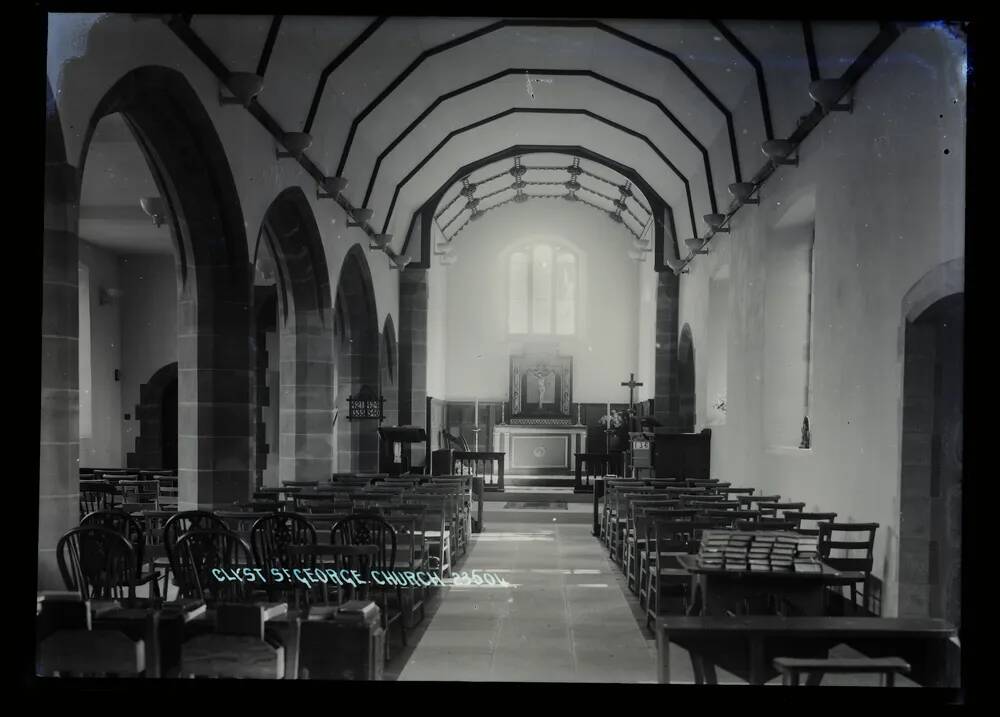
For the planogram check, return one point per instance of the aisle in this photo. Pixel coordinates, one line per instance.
(564, 617)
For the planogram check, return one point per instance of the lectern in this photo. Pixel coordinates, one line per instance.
(403, 435)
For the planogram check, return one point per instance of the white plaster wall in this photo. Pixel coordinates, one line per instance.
(104, 447)
(604, 349)
(646, 339)
(149, 329)
(889, 207)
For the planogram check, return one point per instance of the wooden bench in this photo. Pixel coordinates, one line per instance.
(791, 668)
(748, 646)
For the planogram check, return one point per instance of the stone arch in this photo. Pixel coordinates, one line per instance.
(356, 339)
(151, 450)
(59, 432)
(305, 325)
(931, 434)
(190, 167)
(686, 380)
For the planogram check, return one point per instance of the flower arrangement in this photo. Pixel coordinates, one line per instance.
(611, 420)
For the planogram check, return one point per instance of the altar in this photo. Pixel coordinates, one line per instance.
(541, 436)
(539, 449)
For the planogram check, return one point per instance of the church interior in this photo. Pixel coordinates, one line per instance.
(502, 350)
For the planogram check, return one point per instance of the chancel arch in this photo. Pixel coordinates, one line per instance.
(201, 208)
(356, 345)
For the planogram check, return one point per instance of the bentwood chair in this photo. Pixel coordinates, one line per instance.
(752, 502)
(98, 563)
(173, 528)
(133, 531)
(271, 539)
(373, 530)
(836, 537)
(200, 552)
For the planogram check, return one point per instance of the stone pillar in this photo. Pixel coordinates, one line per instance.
(666, 404)
(215, 421)
(413, 354)
(306, 450)
(59, 446)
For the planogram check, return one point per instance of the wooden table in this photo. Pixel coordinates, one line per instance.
(718, 590)
(747, 646)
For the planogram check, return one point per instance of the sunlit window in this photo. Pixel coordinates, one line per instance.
(542, 291)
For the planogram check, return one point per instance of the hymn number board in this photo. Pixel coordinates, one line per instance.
(366, 405)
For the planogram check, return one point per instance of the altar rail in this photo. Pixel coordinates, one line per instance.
(596, 465)
(488, 464)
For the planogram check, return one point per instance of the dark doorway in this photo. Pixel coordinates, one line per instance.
(168, 426)
(931, 488)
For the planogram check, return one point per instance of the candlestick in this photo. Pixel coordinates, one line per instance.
(477, 412)
(503, 412)
(578, 422)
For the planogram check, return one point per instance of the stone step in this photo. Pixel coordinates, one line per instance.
(537, 496)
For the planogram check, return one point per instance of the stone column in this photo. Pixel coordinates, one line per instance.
(666, 404)
(59, 448)
(306, 449)
(413, 354)
(215, 421)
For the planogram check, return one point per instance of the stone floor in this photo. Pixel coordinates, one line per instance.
(566, 617)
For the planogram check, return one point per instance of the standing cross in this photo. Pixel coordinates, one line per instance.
(632, 384)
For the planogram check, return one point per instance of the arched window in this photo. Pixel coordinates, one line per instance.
(542, 291)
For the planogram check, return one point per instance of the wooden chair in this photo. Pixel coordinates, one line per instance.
(410, 552)
(238, 647)
(96, 496)
(199, 552)
(770, 509)
(729, 518)
(134, 531)
(635, 535)
(818, 518)
(174, 527)
(791, 668)
(735, 492)
(139, 494)
(830, 540)
(300, 483)
(751, 502)
(98, 563)
(669, 538)
(167, 492)
(364, 530)
(436, 535)
(271, 539)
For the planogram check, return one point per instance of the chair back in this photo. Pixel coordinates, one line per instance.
(96, 495)
(183, 521)
(272, 535)
(300, 483)
(123, 524)
(678, 536)
(836, 536)
(98, 563)
(201, 551)
(143, 493)
(771, 508)
(370, 529)
(814, 517)
(750, 501)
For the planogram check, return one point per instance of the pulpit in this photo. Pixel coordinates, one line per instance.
(680, 456)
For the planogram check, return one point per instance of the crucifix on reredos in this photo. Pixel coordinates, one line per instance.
(541, 386)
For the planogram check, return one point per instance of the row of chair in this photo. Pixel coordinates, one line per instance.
(644, 523)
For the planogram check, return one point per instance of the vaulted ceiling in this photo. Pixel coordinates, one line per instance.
(396, 105)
